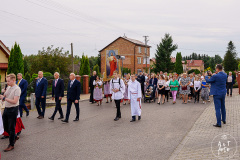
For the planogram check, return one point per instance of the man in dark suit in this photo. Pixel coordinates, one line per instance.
(141, 80)
(91, 86)
(218, 90)
(22, 83)
(40, 93)
(57, 93)
(73, 96)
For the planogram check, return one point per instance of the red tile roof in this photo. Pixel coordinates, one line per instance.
(3, 65)
(194, 63)
(173, 59)
(137, 42)
(5, 50)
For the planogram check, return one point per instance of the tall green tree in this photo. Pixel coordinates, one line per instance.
(163, 54)
(15, 64)
(218, 59)
(81, 70)
(86, 67)
(178, 64)
(50, 60)
(230, 58)
(96, 68)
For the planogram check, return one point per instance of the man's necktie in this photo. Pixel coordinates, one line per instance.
(71, 84)
(18, 82)
(38, 81)
(55, 83)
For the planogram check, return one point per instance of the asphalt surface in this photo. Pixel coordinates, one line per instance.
(98, 136)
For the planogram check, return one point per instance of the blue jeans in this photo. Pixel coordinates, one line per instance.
(219, 101)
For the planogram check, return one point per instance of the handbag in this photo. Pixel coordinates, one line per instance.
(184, 88)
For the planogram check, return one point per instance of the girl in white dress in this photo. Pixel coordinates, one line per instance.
(97, 93)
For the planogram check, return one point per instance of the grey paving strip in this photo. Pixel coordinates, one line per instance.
(197, 143)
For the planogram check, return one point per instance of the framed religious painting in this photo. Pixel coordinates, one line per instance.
(112, 64)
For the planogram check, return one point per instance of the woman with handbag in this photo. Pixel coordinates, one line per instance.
(185, 88)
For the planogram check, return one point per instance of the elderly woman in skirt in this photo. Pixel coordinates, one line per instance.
(97, 92)
(205, 91)
(185, 88)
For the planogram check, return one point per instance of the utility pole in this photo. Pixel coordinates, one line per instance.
(146, 40)
(72, 57)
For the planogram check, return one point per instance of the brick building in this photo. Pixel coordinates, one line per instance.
(133, 50)
(4, 55)
(193, 64)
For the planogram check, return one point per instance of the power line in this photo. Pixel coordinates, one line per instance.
(83, 17)
(39, 22)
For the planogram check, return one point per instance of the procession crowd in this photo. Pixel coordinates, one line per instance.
(130, 89)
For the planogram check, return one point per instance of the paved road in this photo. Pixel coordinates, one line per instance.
(97, 136)
(202, 142)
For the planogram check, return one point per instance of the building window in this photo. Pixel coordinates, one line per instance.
(139, 49)
(139, 60)
(144, 60)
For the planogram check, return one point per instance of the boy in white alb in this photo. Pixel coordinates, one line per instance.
(135, 95)
(117, 89)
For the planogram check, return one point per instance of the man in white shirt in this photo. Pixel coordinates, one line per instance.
(11, 98)
(134, 94)
(117, 89)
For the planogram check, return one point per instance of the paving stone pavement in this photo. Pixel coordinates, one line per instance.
(97, 137)
(197, 143)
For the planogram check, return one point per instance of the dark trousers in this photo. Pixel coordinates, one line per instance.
(166, 94)
(229, 86)
(22, 106)
(9, 123)
(196, 94)
(142, 88)
(117, 102)
(219, 102)
(69, 105)
(39, 100)
(57, 107)
(91, 95)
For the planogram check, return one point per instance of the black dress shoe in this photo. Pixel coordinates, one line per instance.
(51, 118)
(75, 120)
(60, 117)
(224, 122)
(27, 114)
(66, 121)
(4, 137)
(120, 116)
(40, 117)
(116, 119)
(139, 117)
(133, 120)
(216, 125)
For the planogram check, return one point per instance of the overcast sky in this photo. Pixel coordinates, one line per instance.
(204, 26)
